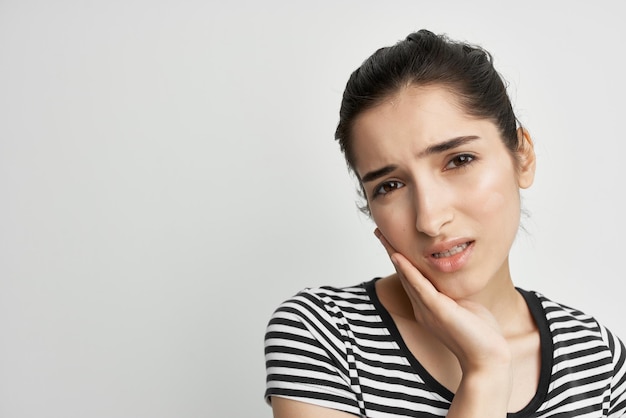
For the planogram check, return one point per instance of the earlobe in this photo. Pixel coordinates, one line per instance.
(526, 159)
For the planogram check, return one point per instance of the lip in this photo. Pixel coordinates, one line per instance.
(452, 262)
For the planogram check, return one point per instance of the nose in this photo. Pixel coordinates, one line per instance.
(433, 209)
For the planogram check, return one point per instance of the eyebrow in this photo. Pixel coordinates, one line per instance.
(433, 149)
(373, 175)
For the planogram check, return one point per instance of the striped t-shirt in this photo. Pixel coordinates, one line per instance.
(339, 348)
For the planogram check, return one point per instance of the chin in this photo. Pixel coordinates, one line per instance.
(456, 285)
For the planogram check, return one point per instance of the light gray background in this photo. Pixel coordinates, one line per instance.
(168, 175)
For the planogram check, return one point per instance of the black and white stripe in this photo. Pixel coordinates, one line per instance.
(339, 348)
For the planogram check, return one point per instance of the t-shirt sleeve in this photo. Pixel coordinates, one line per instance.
(306, 356)
(617, 403)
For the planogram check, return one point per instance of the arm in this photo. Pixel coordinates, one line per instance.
(306, 359)
(471, 333)
(483, 396)
(288, 408)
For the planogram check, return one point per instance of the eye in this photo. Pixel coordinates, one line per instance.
(388, 186)
(459, 161)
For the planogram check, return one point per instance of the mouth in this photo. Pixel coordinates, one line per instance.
(453, 258)
(452, 251)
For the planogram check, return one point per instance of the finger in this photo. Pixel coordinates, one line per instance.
(390, 250)
(415, 284)
(419, 288)
(393, 255)
(403, 266)
(411, 274)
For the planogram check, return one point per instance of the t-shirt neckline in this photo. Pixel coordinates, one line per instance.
(545, 337)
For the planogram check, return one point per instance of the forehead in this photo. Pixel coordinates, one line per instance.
(410, 121)
(420, 109)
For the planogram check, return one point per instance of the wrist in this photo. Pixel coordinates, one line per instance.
(483, 394)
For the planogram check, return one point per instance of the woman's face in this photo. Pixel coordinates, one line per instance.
(442, 187)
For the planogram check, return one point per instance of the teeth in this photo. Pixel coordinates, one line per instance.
(451, 251)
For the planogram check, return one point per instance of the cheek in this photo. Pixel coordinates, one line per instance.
(496, 197)
(395, 223)
(493, 203)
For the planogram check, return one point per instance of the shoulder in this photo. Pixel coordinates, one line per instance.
(308, 344)
(336, 295)
(322, 303)
(324, 313)
(586, 359)
(573, 329)
(559, 315)
(327, 318)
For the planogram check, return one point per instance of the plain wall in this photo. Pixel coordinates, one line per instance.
(168, 175)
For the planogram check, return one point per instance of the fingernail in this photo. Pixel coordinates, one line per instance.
(377, 233)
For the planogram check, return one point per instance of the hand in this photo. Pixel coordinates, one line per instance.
(466, 328)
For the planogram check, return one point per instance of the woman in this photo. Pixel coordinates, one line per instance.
(427, 127)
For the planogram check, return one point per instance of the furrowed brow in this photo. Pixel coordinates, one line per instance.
(375, 174)
(447, 145)
(433, 149)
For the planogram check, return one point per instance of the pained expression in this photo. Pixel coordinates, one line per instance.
(442, 187)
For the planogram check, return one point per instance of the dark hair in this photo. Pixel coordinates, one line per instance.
(424, 58)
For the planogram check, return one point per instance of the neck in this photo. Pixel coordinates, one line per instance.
(503, 300)
(500, 297)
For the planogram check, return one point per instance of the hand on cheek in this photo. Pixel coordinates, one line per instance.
(466, 328)
(415, 284)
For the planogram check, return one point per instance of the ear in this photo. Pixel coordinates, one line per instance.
(526, 159)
